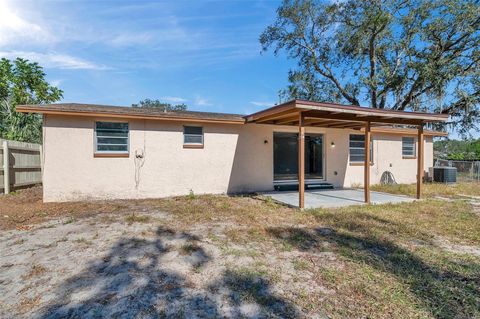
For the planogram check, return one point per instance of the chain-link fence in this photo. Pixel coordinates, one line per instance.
(466, 170)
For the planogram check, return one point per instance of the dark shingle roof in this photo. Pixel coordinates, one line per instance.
(141, 112)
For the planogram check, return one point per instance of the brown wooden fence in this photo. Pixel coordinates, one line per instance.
(20, 164)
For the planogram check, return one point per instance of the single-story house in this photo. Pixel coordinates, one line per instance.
(111, 152)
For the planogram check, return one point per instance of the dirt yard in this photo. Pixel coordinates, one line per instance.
(219, 256)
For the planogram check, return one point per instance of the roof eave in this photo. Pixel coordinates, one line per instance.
(305, 106)
(425, 117)
(406, 131)
(46, 110)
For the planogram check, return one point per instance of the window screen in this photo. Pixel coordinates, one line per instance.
(111, 137)
(193, 135)
(408, 147)
(357, 148)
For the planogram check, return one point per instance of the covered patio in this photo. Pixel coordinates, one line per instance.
(315, 114)
(340, 197)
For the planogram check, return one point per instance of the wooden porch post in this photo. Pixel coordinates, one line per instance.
(420, 161)
(366, 174)
(301, 161)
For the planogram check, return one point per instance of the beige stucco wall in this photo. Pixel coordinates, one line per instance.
(387, 156)
(235, 158)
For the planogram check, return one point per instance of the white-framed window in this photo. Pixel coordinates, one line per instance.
(408, 146)
(111, 137)
(193, 136)
(357, 148)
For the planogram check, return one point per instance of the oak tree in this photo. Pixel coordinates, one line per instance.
(388, 54)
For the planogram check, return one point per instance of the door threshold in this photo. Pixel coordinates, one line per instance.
(293, 185)
(295, 181)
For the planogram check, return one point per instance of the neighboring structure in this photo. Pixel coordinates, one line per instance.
(105, 152)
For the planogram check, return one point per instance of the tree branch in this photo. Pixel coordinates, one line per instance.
(371, 57)
(327, 73)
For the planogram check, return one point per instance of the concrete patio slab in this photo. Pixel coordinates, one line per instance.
(339, 197)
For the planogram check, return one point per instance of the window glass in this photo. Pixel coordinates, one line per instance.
(357, 148)
(193, 135)
(111, 137)
(408, 147)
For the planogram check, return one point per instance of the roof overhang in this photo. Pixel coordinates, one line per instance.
(318, 114)
(98, 111)
(315, 114)
(405, 131)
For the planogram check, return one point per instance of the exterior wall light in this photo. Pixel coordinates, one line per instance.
(332, 144)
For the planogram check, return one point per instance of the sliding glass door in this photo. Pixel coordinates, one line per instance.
(285, 156)
(314, 156)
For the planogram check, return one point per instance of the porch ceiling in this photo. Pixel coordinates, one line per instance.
(338, 116)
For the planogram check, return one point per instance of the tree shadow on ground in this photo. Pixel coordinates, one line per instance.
(445, 294)
(250, 295)
(132, 281)
(359, 221)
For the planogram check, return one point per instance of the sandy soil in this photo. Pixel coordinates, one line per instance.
(113, 265)
(23, 208)
(131, 259)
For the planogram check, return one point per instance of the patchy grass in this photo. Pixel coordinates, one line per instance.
(243, 252)
(377, 261)
(134, 218)
(422, 220)
(26, 304)
(383, 273)
(69, 221)
(301, 264)
(432, 189)
(385, 261)
(83, 241)
(252, 284)
(25, 207)
(19, 241)
(35, 271)
(244, 210)
(189, 248)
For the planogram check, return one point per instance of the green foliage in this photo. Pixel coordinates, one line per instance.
(457, 150)
(395, 54)
(23, 82)
(166, 107)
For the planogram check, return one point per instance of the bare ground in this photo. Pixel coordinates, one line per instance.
(237, 257)
(107, 265)
(23, 208)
